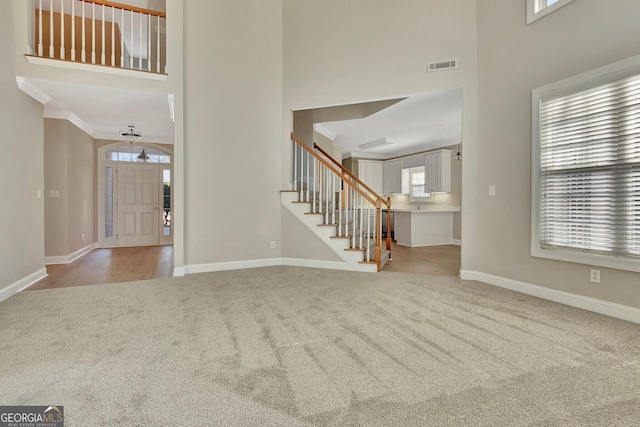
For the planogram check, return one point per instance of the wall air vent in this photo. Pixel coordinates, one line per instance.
(443, 65)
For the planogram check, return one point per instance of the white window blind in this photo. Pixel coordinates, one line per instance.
(590, 170)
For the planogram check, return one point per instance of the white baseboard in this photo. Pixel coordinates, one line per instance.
(456, 242)
(22, 284)
(611, 309)
(232, 265)
(326, 265)
(66, 259)
(268, 262)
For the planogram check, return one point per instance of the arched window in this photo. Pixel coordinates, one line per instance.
(136, 153)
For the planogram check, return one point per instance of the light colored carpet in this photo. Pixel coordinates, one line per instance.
(293, 346)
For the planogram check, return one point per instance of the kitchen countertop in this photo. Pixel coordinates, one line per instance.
(426, 208)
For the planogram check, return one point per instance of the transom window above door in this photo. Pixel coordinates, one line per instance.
(136, 154)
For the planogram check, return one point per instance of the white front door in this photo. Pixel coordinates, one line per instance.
(137, 206)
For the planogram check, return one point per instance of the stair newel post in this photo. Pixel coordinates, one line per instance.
(378, 231)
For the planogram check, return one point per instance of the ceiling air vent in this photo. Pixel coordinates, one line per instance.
(443, 65)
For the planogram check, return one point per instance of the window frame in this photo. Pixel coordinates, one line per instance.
(544, 10)
(599, 76)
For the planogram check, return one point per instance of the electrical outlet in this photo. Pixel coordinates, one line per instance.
(273, 244)
(594, 276)
(83, 236)
(492, 190)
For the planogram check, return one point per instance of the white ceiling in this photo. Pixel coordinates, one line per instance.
(420, 122)
(103, 112)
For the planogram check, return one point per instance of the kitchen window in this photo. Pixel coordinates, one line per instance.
(586, 168)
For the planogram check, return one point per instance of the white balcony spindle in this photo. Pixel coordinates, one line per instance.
(140, 41)
(301, 193)
(122, 38)
(62, 51)
(158, 47)
(340, 201)
(73, 30)
(353, 217)
(131, 40)
(320, 185)
(149, 43)
(50, 28)
(113, 36)
(327, 175)
(40, 46)
(103, 53)
(368, 232)
(83, 53)
(93, 33)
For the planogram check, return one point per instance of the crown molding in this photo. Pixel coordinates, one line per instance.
(54, 113)
(324, 131)
(33, 91)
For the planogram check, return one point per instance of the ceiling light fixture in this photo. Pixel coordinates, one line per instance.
(377, 143)
(132, 135)
(143, 156)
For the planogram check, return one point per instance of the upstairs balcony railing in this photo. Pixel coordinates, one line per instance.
(102, 33)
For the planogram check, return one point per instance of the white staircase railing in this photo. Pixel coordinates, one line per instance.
(101, 32)
(341, 199)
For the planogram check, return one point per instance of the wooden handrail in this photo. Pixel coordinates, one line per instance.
(328, 165)
(387, 202)
(127, 7)
(377, 203)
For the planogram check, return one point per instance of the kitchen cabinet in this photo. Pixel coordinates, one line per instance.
(438, 171)
(370, 172)
(392, 177)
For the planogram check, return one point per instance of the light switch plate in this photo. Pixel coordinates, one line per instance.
(492, 190)
(54, 194)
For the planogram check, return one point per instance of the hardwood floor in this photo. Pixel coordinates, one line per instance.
(151, 262)
(110, 266)
(439, 260)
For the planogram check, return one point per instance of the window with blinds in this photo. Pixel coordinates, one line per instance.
(589, 170)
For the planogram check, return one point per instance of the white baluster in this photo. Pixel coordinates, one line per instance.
(83, 54)
(340, 184)
(40, 46)
(131, 40)
(122, 38)
(301, 195)
(149, 42)
(308, 175)
(333, 199)
(73, 30)
(140, 41)
(113, 36)
(295, 166)
(353, 217)
(327, 175)
(93, 33)
(50, 28)
(320, 186)
(103, 54)
(368, 232)
(62, 51)
(315, 175)
(158, 47)
(361, 218)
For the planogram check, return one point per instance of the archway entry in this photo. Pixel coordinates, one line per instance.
(134, 195)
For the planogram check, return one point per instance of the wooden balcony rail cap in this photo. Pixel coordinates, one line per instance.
(128, 7)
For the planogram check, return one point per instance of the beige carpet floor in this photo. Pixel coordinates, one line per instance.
(284, 346)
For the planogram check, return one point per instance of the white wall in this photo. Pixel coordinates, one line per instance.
(513, 59)
(21, 168)
(69, 168)
(338, 53)
(233, 125)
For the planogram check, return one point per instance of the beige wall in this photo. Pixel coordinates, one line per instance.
(300, 243)
(21, 168)
(513, 59)
(69, 167)
(340, 53)
(233, 130)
